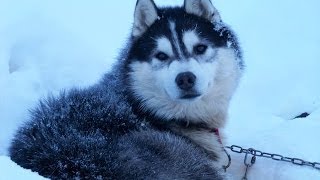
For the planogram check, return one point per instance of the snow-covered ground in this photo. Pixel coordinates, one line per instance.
(46, 46)
(9, 170)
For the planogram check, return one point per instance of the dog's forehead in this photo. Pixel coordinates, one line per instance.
(179, 44)
(164, 45)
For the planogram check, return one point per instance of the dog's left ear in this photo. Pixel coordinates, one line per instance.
(202, 8)
(144, 16)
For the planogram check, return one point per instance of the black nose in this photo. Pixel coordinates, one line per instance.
(186, 80)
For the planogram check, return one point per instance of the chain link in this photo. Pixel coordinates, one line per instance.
(276, 157)
(248, 164)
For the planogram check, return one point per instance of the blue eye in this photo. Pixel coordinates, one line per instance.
(200, 49)
(162, 56)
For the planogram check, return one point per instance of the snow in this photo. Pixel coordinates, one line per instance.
(10, 170)
(47, 46)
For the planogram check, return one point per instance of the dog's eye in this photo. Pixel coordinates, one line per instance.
(162, 56)
(200, 49)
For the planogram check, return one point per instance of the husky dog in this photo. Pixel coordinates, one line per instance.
(154, 116)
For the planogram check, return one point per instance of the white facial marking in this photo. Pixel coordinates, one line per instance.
(190, 39)
(164, 45)
(175, 38)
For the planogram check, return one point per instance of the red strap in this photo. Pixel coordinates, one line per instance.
(216, 132)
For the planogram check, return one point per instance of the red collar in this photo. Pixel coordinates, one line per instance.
(216, 132)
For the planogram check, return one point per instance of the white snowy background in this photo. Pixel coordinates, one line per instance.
(46, 46)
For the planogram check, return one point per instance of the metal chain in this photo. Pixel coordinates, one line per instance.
(248, 164)
(277, 157)
(225, 167)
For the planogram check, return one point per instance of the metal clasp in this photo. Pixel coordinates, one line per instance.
(249, 164)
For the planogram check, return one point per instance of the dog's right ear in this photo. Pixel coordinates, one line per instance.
(144, 16)
(202, 8)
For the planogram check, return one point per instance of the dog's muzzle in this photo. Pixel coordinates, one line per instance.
(186, 82)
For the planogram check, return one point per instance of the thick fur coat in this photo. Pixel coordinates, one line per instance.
(119, 129)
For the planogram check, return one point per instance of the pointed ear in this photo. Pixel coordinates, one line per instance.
(202, 8)
(144, 16)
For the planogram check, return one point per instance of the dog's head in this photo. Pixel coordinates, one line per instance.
(184, 63)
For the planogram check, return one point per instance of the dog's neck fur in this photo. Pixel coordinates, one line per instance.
(185, 124)
(201, 134)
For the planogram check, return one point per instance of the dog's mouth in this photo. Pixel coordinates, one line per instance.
(185, 95)
(190, 96)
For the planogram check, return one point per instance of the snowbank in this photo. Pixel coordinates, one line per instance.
(10, 170)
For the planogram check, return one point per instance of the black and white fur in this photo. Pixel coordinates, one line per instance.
(150, 117)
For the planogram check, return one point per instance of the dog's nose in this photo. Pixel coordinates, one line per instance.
(186, 80)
